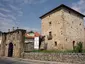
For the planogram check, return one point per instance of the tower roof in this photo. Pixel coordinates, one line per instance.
(62, 5)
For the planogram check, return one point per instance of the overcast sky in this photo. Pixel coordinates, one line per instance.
(25, 13)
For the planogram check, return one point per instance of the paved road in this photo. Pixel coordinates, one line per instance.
(26, 61)
(8, 61)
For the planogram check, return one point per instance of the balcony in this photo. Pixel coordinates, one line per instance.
(49, 37)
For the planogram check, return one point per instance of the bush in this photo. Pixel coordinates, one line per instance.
(78, 47)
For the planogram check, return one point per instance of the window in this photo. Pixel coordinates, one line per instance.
(49, 36)
(50, 23)
(72, 22)
(66, 39)
(73, 44)
(50, 33)
(55, 43)
(80, 24)
(6, 44)
(69, 12)
(71, 26)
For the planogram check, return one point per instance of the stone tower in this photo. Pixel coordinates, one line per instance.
(62, 27)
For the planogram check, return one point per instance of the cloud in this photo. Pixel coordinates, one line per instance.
(30, 29)
(11, 17)
(20, 13)
(6, 23)
(34, 1)
(79, 6)
(10, 10)
(13, 7)
(3, 9)
(2, 15)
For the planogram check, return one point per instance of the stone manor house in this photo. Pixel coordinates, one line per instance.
(62, 28)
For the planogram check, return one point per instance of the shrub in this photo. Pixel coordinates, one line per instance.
(78, 47)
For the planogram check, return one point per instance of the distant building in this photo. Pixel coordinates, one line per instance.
(32, 41)
(37, 41)
(63, 27)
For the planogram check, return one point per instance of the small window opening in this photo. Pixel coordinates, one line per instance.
(55, 43)
(50, 33)
(80, 24)
(73, 42)
(71, 26)
(50, 36)
(50, 23)
(69, 12)
(61, 33)
(6, 44)
(66, 39)
(72, 22)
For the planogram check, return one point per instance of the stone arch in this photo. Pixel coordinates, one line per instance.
(10, 49)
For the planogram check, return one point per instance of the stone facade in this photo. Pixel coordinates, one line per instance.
(74, 58)
(16, 40)
(0, 37)
(64, 27)
(29, 45)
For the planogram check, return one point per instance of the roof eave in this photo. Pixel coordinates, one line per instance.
(62, 5)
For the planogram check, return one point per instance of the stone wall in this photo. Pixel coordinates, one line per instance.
(15, 37)
(29, 46)
(59, 57)
(73, 29)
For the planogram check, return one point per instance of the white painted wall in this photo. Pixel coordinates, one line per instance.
(36, 43)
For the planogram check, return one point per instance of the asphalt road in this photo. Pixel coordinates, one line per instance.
(7, 60)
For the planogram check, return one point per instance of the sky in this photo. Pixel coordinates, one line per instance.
(25, 13)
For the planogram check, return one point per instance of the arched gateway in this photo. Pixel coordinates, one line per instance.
(10, 50)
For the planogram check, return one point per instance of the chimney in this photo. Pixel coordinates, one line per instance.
(13, 28)
(17, 27)
(8, 30)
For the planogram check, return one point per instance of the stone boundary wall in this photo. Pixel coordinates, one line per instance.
(58, 57)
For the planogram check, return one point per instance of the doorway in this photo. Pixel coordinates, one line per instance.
(10, 50)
